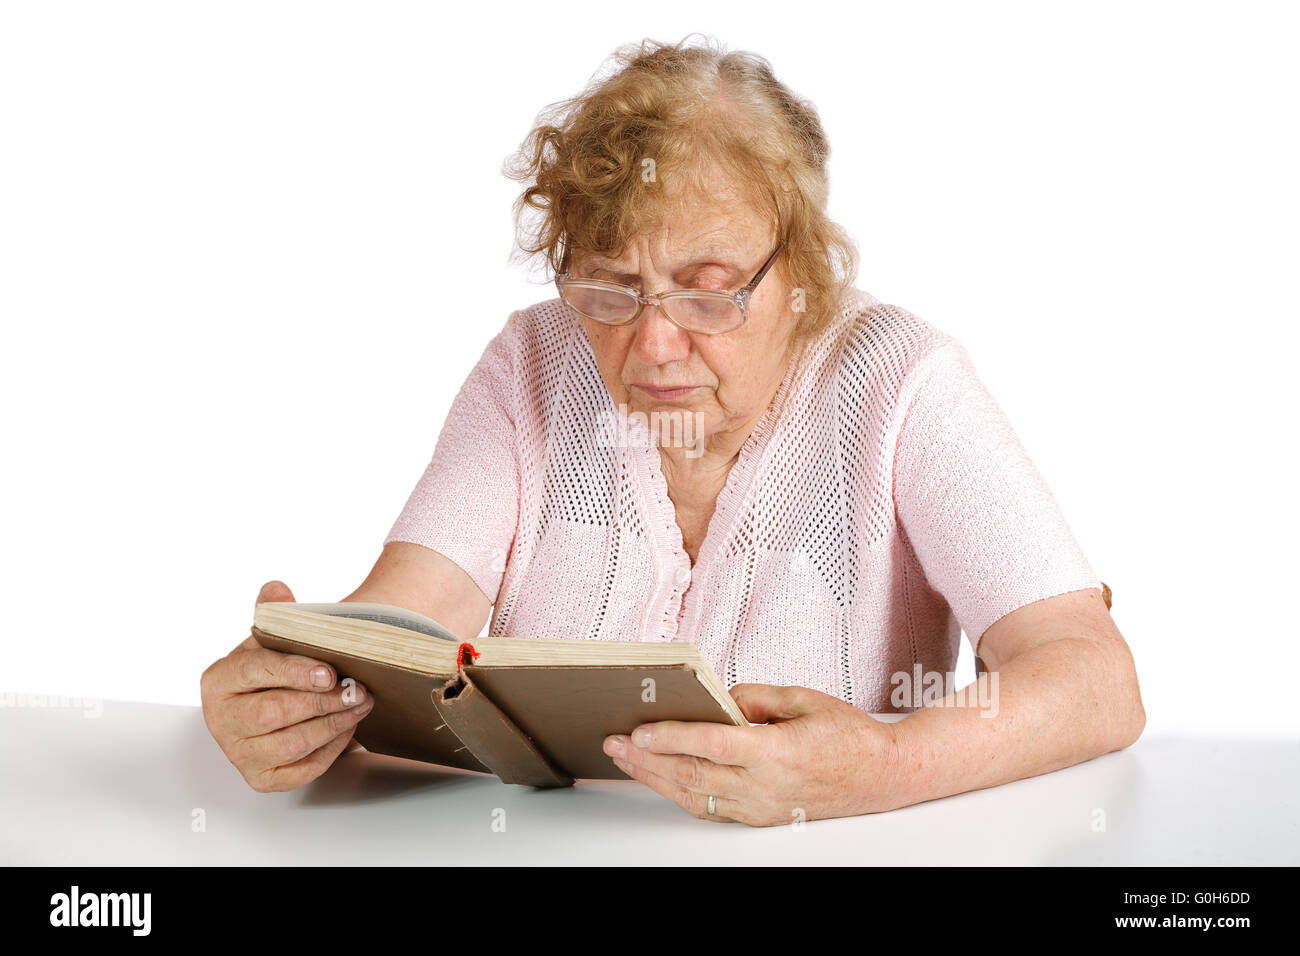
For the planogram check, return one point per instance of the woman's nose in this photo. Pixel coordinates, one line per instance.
(658, 340)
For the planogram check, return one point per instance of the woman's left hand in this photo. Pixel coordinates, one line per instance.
(813, 756)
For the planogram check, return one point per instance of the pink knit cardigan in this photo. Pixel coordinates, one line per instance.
(881, 505)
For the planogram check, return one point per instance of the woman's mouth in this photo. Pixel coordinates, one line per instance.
(666, 394)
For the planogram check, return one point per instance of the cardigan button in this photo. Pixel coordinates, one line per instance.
(683, 575)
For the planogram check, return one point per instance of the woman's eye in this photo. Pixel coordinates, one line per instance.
(709, 280)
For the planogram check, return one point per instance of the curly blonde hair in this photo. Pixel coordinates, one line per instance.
(691, 107)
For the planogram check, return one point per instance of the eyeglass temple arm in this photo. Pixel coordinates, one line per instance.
(758, 277)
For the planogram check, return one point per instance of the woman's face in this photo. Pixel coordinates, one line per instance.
(725, 381)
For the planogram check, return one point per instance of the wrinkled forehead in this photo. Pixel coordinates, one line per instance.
(723, 223)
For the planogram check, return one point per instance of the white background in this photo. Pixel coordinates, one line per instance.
(249, 251)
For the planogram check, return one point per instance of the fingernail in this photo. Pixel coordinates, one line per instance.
(320, 676)
(363, 708)
(616, 745)
(641, 737)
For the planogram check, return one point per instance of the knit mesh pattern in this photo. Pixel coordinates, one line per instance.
(881, 505)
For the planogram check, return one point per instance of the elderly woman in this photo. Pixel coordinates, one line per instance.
(710, 435)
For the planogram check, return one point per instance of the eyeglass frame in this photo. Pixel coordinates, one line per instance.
(740, 297)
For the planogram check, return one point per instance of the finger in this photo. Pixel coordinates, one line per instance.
(720, 743)
(696, 804)
(254, 714)
(308, 768)
(258, 668)
(291, 744)
(271, 591)
(688, 772)
(765, 703)
(274, 591)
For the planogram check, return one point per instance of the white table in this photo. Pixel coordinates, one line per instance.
(123, 788)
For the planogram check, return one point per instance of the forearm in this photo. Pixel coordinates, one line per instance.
(1057, 704)
(419, 579)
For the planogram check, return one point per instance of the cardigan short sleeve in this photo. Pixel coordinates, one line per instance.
(981, 520)
(465, 505)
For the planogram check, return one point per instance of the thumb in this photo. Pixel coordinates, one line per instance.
(274, 591)
(271, 591)
(765, 703)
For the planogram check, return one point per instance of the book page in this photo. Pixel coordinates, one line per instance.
(383, 613)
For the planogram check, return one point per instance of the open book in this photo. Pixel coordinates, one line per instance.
(531, 711)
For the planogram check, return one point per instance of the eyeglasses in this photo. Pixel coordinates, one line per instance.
(707, 311)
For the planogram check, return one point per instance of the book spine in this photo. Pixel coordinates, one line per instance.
(492, 737)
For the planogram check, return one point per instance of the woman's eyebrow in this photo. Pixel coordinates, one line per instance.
(716, 258)
(627, 278)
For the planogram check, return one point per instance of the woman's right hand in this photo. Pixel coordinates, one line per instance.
(279, 718)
